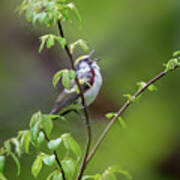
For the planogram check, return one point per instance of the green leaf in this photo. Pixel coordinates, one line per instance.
(115, 169)
(69, 168)
(57, 176)
(141, 84)
(130, 97)
(110, 115)
(2, 150)
(108, 177)
(47, 124)
(54, 144)
(37, 165)
(2, 177)
(67, 76)
(95, 177)
(72, 145)
(72, 74)
(16, 162)
(49, 160)
(62, 41)
(35, 118)
(25, 141)
(122, 122)
(152, 87)
(50, 41)
(35, 132)
(53, 116)
(41, 138)
(2, 163)
(172, 63)
(7, 146)
(125, 173)
(57, 77)
(177, 53)
(73, 7)
(52, 174)
(43, 42)
(66, 79)
(17, 146)
(81, 43)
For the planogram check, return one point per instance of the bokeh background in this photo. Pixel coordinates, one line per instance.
(134, 39)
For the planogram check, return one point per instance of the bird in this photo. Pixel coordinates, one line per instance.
(90, 78)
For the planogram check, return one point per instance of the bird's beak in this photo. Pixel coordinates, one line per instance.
(91, 53)
(97, 59)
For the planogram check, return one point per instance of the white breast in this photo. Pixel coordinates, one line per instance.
(93, 91)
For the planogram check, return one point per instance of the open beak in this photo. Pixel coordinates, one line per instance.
(91, 53)
(97, 59)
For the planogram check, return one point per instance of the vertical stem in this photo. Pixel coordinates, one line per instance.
(87, 119)
(56, 158)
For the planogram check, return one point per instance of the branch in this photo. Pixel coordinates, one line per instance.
(56, 158)
(87, 119)
(122, 109)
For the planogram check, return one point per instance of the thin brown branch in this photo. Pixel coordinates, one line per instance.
(87, 119)
(122, 109)
(56, 158)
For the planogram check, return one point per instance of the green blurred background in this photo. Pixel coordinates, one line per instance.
(134, 39)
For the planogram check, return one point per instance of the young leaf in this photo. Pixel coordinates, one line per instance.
(53, 116)
(72, 74)
(172, 63)
(141, 84)
(110, 115)
(94, 177)
(57, 77)
(52, 175)
(2, 163)
(16, 162)
(72, 145)
(73, 7)
(57, 176)
(7, 146)
(81, 43)
(130, 97)
(66, 79)
(25, 141)
(69, 168)
(116, 169)
(17, 146)
(62, 41)
(2, 150)
(50, 41)
(177, 53)
(122, 122)
(54, 144)
(35, 118)
(152, 87)
(108, 176)
(37, 165)
(35, 132)
(43, 42)
(46, 124)
(49, 160)
(41, 138)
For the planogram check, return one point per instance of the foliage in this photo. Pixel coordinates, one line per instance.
(41, 125)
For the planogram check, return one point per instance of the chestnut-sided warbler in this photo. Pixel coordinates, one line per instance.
(89, 75)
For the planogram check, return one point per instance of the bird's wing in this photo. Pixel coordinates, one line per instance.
(67, 97)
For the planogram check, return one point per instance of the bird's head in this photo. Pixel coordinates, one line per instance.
(86, 62)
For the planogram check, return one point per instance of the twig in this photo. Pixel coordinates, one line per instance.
(87, 119)
(122, 109)
(56, 157)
